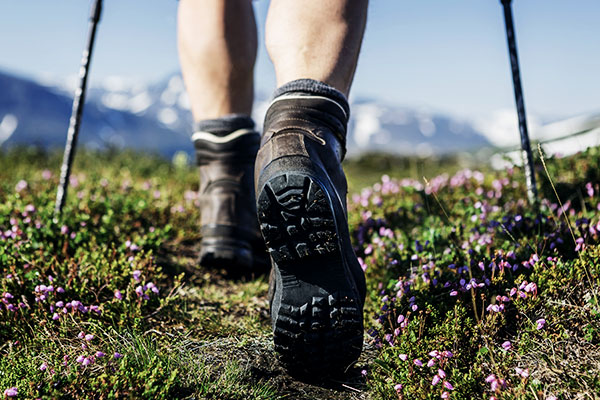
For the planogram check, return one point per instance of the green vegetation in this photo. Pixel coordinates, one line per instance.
(472, 293)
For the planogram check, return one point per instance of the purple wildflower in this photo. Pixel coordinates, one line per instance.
(418, 362)
(21, 185)
(540, 323)
(11, 392)
(136, 275)
(523, 373)
(507, 345)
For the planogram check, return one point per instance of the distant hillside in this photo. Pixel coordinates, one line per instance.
(156, 117)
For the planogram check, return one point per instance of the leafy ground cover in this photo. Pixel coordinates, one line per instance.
(472, 293)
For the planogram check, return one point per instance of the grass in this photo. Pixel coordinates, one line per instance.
(472, 293)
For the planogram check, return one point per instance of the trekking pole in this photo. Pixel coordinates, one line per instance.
(78, 102)
(516, 75)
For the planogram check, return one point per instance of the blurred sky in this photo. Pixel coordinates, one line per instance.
(449, 56)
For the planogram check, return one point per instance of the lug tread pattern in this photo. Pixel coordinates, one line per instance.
(314, 338)
(313, 334)
(296, 220)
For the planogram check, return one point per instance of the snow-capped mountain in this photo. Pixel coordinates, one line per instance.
(39, 115)
(156, 117)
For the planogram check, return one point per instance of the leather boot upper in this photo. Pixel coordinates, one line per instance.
(226, 184)
(309, 126)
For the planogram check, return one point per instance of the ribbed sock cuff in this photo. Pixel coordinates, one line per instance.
(225, 125)
(313, 87)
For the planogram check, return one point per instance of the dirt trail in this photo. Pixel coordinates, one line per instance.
(255, 354)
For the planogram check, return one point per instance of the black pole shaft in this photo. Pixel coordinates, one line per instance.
(528, 165)
(76, 112)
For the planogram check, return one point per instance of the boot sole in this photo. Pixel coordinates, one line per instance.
(316, 311)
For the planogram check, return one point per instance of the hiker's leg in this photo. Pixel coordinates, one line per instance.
(217, 50)
(316, 39)
(301, 187)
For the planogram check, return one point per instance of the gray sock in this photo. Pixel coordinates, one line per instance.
(225, 125)
(316, 88)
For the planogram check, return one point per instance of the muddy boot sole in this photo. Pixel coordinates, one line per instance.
(316, 310)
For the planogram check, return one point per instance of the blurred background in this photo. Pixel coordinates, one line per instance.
(433, 79)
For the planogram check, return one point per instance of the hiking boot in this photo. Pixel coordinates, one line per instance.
(229, 226)
(318, 287)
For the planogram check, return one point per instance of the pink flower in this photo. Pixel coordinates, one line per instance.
(136, 275)
(89, 337)
(494, 386)
(431, 362)
(403, 357)
(81, 335)
(436, 379)
(441, 373)
(80, 359)
(118, 295)
(398, 387)
(523, 373)
(445, 395)
(44, 366)
(11, 392)
(86, 361)
(21, 185)
(453, 293)
(418, 362)
(540, 323)
(490, 378)
(100, 354)
(507, 345)
(551, 397)
(448, 385)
